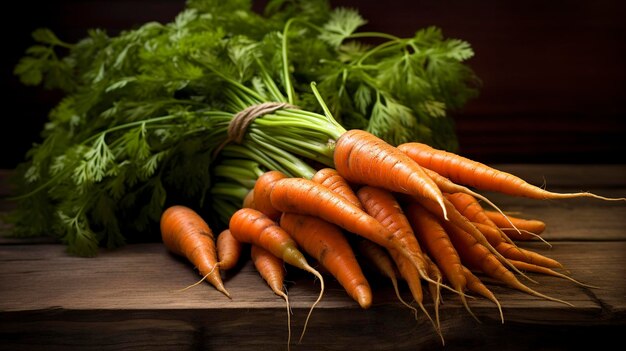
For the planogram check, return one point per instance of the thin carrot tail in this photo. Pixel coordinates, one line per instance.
(284, 296)
(528, 232)
(583, 194)
(319, 276)
(547, 271)
(394, 282)
(219, 286)
(519, 286)
(474, 284)
(467, 307)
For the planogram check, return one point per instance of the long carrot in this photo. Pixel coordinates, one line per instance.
(476, 256)
(298, 195)
(326, 243)
(228, 250)
(514, 252)
(272, 270)
(430, 233)
(361, 157)
(468, 172)
(380, 260)
(185, 233)
(531, 228)
(469, 207)
(261, 192)
(252, 226)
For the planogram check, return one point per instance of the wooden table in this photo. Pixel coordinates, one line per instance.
(127, 299)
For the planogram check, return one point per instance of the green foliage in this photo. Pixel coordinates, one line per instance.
(145, 111)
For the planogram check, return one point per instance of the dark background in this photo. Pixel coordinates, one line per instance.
(553, 72)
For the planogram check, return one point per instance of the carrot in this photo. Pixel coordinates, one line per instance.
(252, 226)
(474, 284)
(476, 256)
(382, 205)
(463, 223)
(469, 207)
(531, 227)
(326, 243)
(381, 261)
(361, 157)
(248, 201)
(468, 172)
(261, 191)
(298, 195)
(438, 245)
(228, 250)
(330, 178)
(273, 272)
(185, 233)
(517, 253)
(450, 187)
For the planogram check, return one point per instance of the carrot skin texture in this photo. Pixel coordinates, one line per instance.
(362, 158)
(261, 192)
(326, 243)
(228, 250)
(185, 233)
(330, 178)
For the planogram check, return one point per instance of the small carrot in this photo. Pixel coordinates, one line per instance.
(298, 195)
(228, 250)
(468, 172)
(532, 227)
(517, 253)
(252, 226)
(326, 243)
(185, 233)
(330, 178)
(261, 191)
(476, 256)
(474, 284)
(248, 201)
(361, 157)
(381, 261)
(430, 233)
(272, 270)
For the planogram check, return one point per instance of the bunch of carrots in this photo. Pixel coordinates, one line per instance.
(407, 210)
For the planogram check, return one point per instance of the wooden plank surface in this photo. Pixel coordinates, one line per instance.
(128, 299)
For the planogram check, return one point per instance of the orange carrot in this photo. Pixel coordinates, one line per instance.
(468, 172)
(248, 201)
(273, 272)
(474, 284)
(438, 245)
(326, 243)
(185, 233)
(530, 227)
(517, 253)
(381, 261)
(450, 187)
(261, 191)
(463, 223)
(383, 206)
(228, 250)
(298, 195)
(361, 157)
(476, 256)
(474, 212)
(330, 178)
(252, 226)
